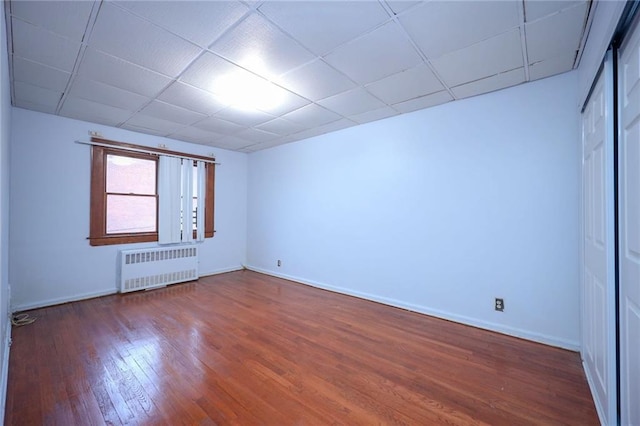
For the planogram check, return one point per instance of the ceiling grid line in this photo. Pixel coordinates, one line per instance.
(523, 39)
(161, 67)
(254, 9)
(587, 29)
(310, 61)
(424, 57)
(321, 58)
(177, 77)
(95, 10)
(203, 50)
(7, 13)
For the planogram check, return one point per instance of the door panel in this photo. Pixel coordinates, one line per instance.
(598, 273)
(629, 220)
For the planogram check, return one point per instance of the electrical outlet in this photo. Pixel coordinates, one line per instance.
(95, 134)
(279, 263)
(499, 305)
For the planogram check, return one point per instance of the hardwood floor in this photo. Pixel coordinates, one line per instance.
(245, 348)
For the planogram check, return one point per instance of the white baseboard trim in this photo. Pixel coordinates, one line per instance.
(60, 300)
(222, 271)
(91, 295)
(4, 379)
(486, 325)
(601, 414)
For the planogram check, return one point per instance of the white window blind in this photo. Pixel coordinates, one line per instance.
(176, 188)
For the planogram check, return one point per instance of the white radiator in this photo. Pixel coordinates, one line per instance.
(157, 267)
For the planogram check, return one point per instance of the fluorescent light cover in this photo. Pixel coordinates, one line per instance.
(244, 90)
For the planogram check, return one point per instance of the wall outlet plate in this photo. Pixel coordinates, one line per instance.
(499, 304)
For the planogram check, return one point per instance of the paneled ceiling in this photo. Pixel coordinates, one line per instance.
(158, 67)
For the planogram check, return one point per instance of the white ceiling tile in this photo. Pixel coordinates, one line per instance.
(39, 75)
(168, 112)
(146, 130)
(83, 109)
(265, 145)
(352, 102)
(217, 125)
(281, 126)
(493, 56)
(323, 25)
(316, 80)
(399, 6)
(48, 109)
(232, 142)
(440, 27)
(311, 115)
(370, 69)
(67, 18)
(325, 128)
(193, 134)
(551, 66)
(192, 98)
(122, 34)
(213, 74)
(257, 45)
(113, 71)
(373, 115)
(490, 84)
(165, 127)
(423, 102)
(105, 94)
(288, 101)
(36, 95)
(256, 135)
(535, 9)
(405, 85)
(556, 35)
(204, 71)
(198, 21)
(36, 44)
(244, 117)
(380, 53)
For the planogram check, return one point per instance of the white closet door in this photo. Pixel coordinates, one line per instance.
(598, 289)
(629, 227)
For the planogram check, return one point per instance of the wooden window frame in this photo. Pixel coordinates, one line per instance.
(208, 201)
(98, 220)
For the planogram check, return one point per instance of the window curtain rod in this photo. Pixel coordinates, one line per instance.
(126, 148)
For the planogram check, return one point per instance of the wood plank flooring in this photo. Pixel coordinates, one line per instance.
(244, 348)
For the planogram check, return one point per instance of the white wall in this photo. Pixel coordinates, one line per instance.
(51, 260)
(438, 211)
(5, 133)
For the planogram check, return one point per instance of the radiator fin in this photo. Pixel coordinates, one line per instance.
(156, 267)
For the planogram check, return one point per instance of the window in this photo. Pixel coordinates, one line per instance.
(124, 196)
(131, 194)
